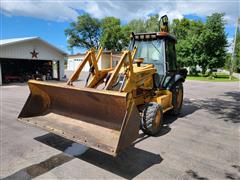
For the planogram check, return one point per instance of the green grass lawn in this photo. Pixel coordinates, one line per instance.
(217, 77)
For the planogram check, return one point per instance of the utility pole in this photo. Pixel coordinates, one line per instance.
(234, 49)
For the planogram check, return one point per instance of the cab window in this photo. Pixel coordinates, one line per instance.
(152, 52)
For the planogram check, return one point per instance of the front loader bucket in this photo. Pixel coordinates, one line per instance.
(104, 120)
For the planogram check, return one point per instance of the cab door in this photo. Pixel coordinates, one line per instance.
(171, 64)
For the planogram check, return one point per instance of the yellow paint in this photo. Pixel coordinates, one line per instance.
(135, 78)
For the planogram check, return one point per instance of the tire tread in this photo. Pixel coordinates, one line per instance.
(149, 115)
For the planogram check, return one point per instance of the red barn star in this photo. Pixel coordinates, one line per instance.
(34, 54)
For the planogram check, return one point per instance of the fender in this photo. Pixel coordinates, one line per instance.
(180, 76)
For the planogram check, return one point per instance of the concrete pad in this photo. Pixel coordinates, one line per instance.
(203, 143)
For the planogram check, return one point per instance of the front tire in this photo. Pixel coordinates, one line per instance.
(152, 118)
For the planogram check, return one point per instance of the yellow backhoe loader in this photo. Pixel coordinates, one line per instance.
(115, 103)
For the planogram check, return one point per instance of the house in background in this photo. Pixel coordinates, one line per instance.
(31, 57)
(107, 60)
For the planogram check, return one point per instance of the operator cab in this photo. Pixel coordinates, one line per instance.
(157, 49)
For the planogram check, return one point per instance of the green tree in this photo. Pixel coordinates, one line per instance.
(187, 32)
(141, 26)
(152, 23)
(213, 43)
(84, 33)
(126, 34)
(114, 36)
(228, 61)
(201, 44)
(180, 28)
(137, 26)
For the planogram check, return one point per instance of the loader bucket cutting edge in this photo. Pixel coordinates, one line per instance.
(104, 120)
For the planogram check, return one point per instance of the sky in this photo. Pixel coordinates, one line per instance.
(49, 18)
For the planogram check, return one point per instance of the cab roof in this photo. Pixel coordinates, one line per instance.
(153, 35)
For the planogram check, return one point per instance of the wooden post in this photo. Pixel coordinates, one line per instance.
(234, 50)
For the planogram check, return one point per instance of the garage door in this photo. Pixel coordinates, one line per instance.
(14, 70)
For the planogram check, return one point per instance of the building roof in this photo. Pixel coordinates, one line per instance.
(76, 55)
(83, 54)
(4, 42)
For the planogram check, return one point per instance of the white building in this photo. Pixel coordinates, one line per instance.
(73, 62)
(107, 60)
(20, 57)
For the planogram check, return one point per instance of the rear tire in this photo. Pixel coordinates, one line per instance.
(152, 118)
(177, 98)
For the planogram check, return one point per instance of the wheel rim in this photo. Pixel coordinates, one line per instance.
(158, 119)
(179, 98)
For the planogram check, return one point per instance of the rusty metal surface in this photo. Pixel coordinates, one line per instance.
(130, 128)
(88, 116)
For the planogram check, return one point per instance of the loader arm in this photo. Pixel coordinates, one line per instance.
(77, 72)
(95, 81)
(128, 66)
(95, 76)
